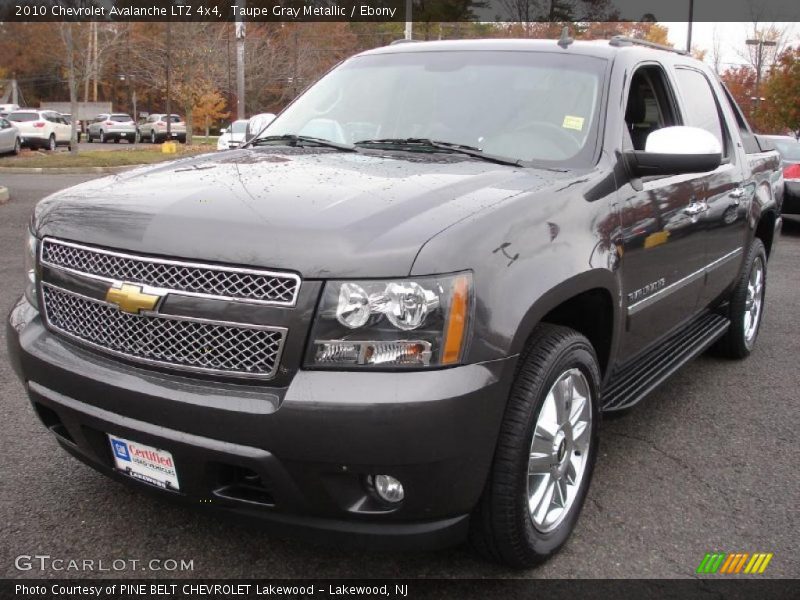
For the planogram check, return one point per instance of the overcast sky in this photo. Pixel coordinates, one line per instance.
(731, 38)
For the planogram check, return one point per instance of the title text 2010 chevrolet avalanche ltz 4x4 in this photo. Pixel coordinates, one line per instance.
(397, 314)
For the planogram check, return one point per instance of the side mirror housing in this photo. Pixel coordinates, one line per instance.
(674, 151)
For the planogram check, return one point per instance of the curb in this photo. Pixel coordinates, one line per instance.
(66, 170)
(3, 194)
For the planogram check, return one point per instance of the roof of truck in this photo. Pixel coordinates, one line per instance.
(599, 48)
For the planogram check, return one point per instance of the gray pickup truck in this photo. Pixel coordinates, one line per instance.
(397, 315)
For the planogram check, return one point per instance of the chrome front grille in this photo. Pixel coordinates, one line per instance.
(188, 278)
(179, 342)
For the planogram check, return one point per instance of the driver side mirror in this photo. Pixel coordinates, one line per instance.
(674, 151)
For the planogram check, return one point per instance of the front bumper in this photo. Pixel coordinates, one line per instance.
(296, 457)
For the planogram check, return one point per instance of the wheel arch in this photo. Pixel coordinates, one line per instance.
(586, 303)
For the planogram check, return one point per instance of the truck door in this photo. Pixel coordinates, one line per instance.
(727, 194)
(662, 263)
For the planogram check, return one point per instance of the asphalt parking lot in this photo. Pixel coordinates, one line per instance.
(706, 463)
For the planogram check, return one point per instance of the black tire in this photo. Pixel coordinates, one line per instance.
(51, 143)
(735, 343)
(153, 138)
(182, 139)
(501, 527)
(17, 147)
(88, 138)
(102, 138)
(116, 140)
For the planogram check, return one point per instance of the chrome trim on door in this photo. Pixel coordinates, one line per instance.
(677, 285)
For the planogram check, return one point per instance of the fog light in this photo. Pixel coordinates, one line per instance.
(388, 488)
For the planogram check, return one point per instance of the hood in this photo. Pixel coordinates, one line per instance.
(315, 211)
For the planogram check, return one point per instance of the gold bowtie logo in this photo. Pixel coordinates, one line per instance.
(131, 298)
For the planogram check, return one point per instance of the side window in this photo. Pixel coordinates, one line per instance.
(701, 105)
(748, 139)
(650, 105)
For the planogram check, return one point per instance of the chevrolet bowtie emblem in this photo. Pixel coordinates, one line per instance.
(131, 298)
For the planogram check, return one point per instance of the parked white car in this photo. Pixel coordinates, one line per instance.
(9, 137)
(154, 128)
(114, 126)
(232, 136)
(41, 128)
(5, 109)
(258, 123)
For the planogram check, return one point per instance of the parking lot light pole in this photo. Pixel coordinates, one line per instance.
(760, 43)
(132, 88)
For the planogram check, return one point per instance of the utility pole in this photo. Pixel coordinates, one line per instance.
(240, 107)
(169, 61)
(95, 69)
(409, 32)
(760, 44)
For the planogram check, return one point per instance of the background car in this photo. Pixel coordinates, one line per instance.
(41, 128)
(789, 149)
(9, 137)
(258, 123)
(154, 128)
(115, 126)
(232, 136)
(78, 124)
(6, 109)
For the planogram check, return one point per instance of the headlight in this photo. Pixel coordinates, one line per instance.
(398, 323)
(30, 269)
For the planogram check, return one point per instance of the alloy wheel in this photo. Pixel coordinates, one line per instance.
(754, 301)
(559, 450)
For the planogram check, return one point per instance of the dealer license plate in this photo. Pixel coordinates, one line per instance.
(144, 463)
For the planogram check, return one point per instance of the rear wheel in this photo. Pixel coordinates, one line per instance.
(102, 137)
(17, 146)
(51, 143)
(153, 139)
(746, 305)
(545, 453)
(89, 138)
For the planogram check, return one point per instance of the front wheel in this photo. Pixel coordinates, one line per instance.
(545, 452)
(17, 147)
(746, 305)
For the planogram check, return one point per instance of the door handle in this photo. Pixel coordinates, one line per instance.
(695, 208)
(736, 196)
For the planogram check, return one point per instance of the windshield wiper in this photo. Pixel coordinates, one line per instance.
(296, 140)
(440, 145)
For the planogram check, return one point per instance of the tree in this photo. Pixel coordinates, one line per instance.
(210, 107)
(782, 90)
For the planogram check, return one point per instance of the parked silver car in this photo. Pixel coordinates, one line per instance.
(154, 128)
(9, 137)
(115, 126)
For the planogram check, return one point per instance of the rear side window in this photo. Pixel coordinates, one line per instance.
(701, 104)
(748, 139)
(22, 117)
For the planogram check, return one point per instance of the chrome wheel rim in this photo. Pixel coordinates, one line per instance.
(559, 450)
(754, 301)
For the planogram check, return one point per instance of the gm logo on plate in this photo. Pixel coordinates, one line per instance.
(121, 450)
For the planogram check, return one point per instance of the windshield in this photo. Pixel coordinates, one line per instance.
(21, 117)
(239, 127)
(789, 150)
(533, 106)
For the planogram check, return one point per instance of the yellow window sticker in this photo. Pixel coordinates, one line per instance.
(571, 122)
